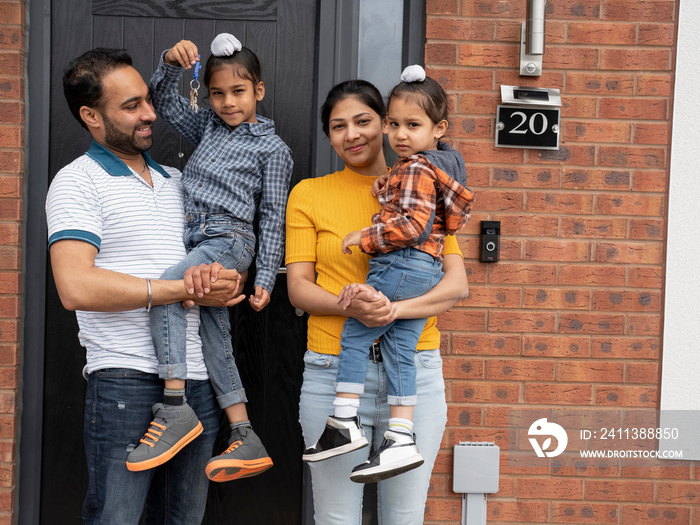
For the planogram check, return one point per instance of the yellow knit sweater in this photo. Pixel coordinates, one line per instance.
(320, 213)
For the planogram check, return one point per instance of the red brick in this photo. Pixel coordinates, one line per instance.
(9, 377)
(655, 85)
(505, 273)
(591, 323)
(556, 299)
(566, 57)
(558, 394)
(11, 88)
(598, 132)
(9, 355)
(594, 228)
(678, 493)
(644, 325)
(549, 488)
(629, 252)
(492, 55)
(657, 10)
(526, 177)
(462, 79)
(556, 346)
(645, 277)
(574, 9)
(10, 234)
(486, 344)
(495, 201)
(580, 513)
(479, 104)
(601, 33)
(648, 133)
(11, 38)
(558, 250)
(518, 511)
(590, 371)
(463, 415)
(592, 83)
(10, 161)
(493, 8)
(654, 515)
(529, 225)
(590, 179)
(7, 427)
(456, 435)
(486, 151)
(449, 510)
(9, 331)
(592, 275)
(8, 403)
(647, 373)
(441, 53)
(458, 319)
(462, 128)
(458, 29)
(442, 7)
(509, 31)
(578, 107)
(625, 348)
(521, 321)
(9, 281)
(632, 156)
(9, 307)
(493, 297)
(559, 203)
(485, 392)
(669, 469)
(11, 63)
(634, 108)
(11, 13)
(9, 257)
(652, 181)
(461, 368)
(12, 136)
(635, 59)
(637, 205)
(626, 396)
(577, 467)
(626, 301)
(647, 229)
(10, 186)
(570, 154)
(519, 369)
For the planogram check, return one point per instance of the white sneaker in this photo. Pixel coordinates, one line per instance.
(397, 454)
(341, 435)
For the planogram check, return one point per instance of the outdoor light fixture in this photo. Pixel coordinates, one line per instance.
(532, 39)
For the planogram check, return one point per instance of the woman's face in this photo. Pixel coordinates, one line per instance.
(355, 132)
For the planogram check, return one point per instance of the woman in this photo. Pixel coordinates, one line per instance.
(320, 213)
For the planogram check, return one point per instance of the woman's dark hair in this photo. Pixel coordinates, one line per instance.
(244, 63)
(362, 90)
(427, 94)
(82, 78)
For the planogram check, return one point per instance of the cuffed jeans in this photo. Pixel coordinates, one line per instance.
(401, 274)
(209, 238)
(117, 410)
(401, 499)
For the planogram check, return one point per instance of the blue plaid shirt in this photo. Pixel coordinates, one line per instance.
(232, 171)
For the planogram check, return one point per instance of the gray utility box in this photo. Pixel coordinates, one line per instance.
(475, 474)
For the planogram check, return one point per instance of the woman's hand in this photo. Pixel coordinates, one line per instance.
(368, 306)
(183, 54)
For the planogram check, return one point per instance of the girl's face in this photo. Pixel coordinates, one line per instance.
(355, 132)
(410, 129)
(234, 98)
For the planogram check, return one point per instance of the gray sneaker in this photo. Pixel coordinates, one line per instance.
(244, 457)
(172, 428)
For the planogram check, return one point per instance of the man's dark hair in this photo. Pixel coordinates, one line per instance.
(82, 78)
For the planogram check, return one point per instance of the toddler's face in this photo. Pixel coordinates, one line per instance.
(234, 98)
(409, 128)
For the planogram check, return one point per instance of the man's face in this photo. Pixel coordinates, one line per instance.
(127, 112)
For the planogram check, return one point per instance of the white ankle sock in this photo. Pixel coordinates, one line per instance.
(397, 424)
(346, 407)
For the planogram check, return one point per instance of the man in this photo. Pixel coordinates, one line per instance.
(116, 222)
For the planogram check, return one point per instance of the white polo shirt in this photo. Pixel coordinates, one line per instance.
(138, 230)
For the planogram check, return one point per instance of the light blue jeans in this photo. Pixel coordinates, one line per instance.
(401, 274)
(208, 238)
(401, 499)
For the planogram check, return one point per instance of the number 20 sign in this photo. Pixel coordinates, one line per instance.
(527, 127)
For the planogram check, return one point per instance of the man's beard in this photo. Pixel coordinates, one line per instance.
(120, 141)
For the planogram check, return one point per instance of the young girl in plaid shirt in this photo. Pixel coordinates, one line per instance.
(239, 169)
(423, 199)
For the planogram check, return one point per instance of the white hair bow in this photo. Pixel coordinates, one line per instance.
(225, 44)
(413, 73)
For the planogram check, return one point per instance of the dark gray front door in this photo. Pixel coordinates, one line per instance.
(269, 345)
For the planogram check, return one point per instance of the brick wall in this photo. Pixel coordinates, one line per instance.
(12, 42)
(571, 315)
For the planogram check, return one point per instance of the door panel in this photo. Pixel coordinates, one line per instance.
(268, 345)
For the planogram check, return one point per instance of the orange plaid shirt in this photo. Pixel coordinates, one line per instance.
(415, 191)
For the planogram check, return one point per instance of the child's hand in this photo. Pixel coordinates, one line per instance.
(351, 239)
(379, 183)
(260, 299)
(184, 54)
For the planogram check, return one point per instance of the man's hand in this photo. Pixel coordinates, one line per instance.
(214, 285)
(260, 299)
(352, 239)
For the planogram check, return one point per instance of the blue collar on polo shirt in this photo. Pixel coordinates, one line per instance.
(114, 165)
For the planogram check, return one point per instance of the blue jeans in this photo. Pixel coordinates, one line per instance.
(401, 274)
(117, 410)
(209, 238)
(401, 499)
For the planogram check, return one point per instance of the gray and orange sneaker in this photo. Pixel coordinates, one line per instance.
(172, 428)
(245, 457)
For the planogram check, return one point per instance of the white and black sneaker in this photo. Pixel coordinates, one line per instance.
(341, 435)
(397, 454)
